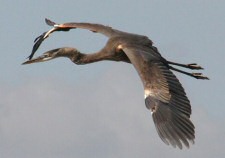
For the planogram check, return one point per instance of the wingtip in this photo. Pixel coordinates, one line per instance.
(28, 59)
(49, 22)
(30, 56)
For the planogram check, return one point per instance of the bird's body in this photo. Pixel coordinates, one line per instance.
(164, 95)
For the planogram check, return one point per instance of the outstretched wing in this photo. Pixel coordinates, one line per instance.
(164, 96)
(98, 28)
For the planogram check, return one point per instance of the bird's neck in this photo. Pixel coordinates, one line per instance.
(86, 58)
(104, 54)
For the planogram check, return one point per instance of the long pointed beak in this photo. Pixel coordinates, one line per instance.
(41, 58)
(51, 54)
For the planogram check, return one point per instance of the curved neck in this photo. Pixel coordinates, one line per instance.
(81, 58)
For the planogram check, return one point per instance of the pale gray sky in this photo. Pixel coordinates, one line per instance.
(58, 109)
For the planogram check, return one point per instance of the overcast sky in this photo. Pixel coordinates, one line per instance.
(58, 109)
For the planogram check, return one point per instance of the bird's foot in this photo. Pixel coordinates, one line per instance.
(194, 66)
(199, 76)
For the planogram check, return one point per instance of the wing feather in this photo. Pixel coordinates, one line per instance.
(165, 97)
(105, 30)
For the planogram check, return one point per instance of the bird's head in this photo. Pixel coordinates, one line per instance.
(52, 54)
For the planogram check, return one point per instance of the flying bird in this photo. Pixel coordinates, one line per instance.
(164, 95)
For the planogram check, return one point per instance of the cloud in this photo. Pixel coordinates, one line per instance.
(103, 118)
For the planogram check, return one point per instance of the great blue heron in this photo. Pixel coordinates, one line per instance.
(164, 94)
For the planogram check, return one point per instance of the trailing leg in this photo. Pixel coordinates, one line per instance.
(195, 75)
(192, 66)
